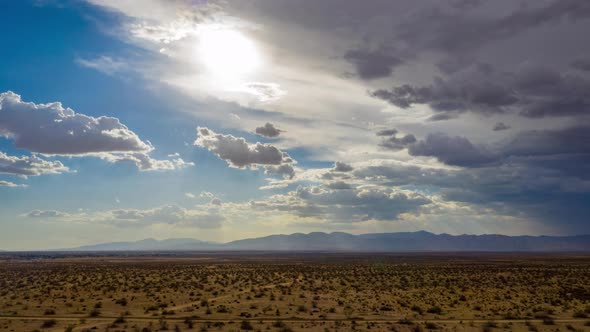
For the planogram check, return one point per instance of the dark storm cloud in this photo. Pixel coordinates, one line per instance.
(342, 167)
(581, 64)
(452, 32)
(499, 126)
(268, 130)
(533, 92)
(392, 142)
(372, 65)
(556, 142)
(387, 132)
(554, 149)
(457, 151)
(554, 197)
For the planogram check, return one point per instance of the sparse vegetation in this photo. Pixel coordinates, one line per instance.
(377, 293)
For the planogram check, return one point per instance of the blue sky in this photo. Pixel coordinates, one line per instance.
(226, 120)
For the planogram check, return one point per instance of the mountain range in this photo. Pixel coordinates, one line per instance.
(376, 242)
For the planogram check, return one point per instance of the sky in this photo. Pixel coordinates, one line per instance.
(221, 120)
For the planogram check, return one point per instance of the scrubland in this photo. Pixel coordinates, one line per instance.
(295, 292)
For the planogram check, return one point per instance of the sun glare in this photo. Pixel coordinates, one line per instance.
(227, 54)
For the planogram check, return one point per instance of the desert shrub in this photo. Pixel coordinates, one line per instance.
(405, 321)
(246, 325)
(48, 324)
(431, 326)
(434, 310)
(417, 309)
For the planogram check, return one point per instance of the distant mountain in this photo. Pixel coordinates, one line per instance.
(383, 242)
(150, 245)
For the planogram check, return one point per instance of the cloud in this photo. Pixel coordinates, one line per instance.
(46, 214)
(285, 170)
(339, 185)
(457, 151)
(168, 214)
(54, 130)
(342, 167)
(51, 129)
(457, 34)
(345, 204)
(146, 163)
(204, 218)
(499, 126)
(268, 130)
(581, 64)
(392, 142)
(372, 65)
(435, 51)
(387, 132)
(104, 64)
(551, 142)
(240, 154)
(533, 92)
(29, 165)
(540, 189)
(265, 91)
(11, 184)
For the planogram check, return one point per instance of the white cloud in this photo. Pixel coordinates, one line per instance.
(51, 129)
(29, 165)
(11, 184)
(104, 64)
(204, 217)
(240, 154)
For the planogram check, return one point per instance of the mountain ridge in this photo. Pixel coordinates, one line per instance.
(370, 242)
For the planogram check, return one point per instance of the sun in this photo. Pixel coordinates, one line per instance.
(227, 54)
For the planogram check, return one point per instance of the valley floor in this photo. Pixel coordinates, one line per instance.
(294, 292)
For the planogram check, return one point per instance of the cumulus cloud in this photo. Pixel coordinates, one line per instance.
(342, 167)
(54, 130)
(51, 129)
(240, 154)
(268, 130)
(345, 204)
(146, 163)
(285, 170)
(29, 165)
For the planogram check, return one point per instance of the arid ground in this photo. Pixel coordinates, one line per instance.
(294, 292)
